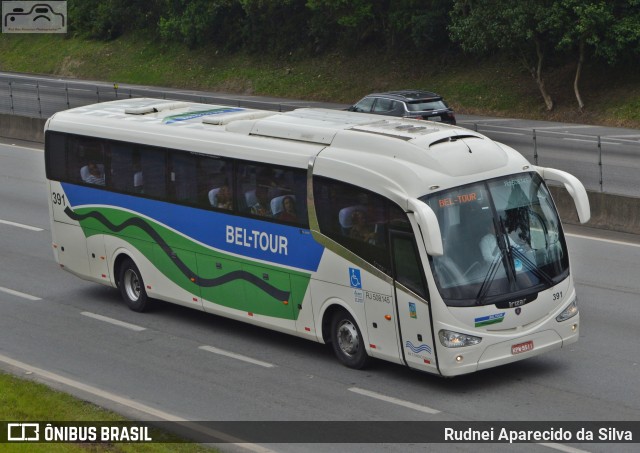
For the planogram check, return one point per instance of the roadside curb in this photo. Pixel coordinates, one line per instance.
(22, 127)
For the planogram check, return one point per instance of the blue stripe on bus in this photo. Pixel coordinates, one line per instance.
(252, 238)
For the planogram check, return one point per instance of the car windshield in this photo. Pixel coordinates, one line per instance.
(502, 239)
(428, 104)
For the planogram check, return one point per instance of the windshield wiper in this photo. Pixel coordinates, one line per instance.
(493, 267)
(488, 279)
(532, 267)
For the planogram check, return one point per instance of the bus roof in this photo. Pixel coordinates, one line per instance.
(396, 157)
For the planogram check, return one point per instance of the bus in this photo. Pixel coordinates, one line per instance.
(419, 243)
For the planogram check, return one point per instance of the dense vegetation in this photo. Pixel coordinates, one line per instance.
(488, 57)
(538, 33)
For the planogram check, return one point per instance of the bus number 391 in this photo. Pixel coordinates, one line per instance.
(58, 198)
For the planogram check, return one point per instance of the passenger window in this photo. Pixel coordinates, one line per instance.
(383, 105)
(151, 177)
(358, 219)
(138, 169)
(272, 192)
(364, 105)
(56, 155)
(215, 182)
(125, 165)
(408, 270)
(87, 160)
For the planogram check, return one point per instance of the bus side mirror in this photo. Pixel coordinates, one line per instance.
(574, 187)
(429, 226)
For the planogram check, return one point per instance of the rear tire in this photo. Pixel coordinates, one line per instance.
(347, 341)
(132, 286)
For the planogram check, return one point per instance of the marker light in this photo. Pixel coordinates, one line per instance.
(451, 339)
(569, 312)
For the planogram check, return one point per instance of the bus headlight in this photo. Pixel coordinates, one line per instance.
(569, 312)
(450, 339)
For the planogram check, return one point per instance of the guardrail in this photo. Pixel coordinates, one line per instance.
(41, 99)
(603, 164)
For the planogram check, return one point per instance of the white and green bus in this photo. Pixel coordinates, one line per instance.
(419, 243)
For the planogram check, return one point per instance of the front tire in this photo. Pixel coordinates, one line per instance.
(347, 341)
(132, 286)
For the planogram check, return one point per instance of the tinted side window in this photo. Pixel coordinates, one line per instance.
(125, 168)
(272, 192)
(215, 182)
(364, 105)
(358, 219)
(56, 155)
(407, 264)
(384, 105)
(87, 160)
(152, 176)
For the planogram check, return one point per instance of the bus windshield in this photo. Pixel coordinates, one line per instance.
(502, 240)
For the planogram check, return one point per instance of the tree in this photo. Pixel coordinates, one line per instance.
(349, 23)
(200, 22)
(604, 29)
(419, 24)
(276, 27)
(526, 29)
(108, 19)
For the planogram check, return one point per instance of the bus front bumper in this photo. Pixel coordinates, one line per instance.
(514, 349)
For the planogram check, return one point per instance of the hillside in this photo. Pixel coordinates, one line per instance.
(497, 87)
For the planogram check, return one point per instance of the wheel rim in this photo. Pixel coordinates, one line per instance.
(132, 284)
(348, 339)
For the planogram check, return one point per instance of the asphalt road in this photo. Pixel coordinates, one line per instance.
(603, 158)
(176, 363)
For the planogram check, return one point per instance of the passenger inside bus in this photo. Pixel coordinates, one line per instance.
(138, 182)
(93, 173)
(361, 229)
(284, 208)
(261, 206)
(224, 198)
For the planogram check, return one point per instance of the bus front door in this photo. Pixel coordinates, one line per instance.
(414, 317)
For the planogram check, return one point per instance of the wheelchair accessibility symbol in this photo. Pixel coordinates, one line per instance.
(354, 278)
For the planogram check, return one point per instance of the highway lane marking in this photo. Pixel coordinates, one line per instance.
(562, 447)
(21, 225)
(22, 147)
(577, 126)
(390, 399)
(492, 131)
(610, 241)
(116, 322)
(488, 120)
(18, 293)
(625, 136)
(233, 355)
(591, 141)
(140, 407)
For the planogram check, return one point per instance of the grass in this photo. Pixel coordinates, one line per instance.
(24, 400)
(495, 86)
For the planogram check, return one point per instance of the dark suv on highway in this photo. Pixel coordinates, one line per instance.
(421, 105)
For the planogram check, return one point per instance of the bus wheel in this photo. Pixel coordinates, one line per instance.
(132, 287)
(347, 341)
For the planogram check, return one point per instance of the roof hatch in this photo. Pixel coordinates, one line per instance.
(155, 108)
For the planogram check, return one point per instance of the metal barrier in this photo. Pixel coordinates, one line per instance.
(603, 164)
(41, 99)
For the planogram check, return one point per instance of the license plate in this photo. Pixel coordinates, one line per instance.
(522, 347)
(435, 118)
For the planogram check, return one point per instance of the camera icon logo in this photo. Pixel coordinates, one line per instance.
(34, 17)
